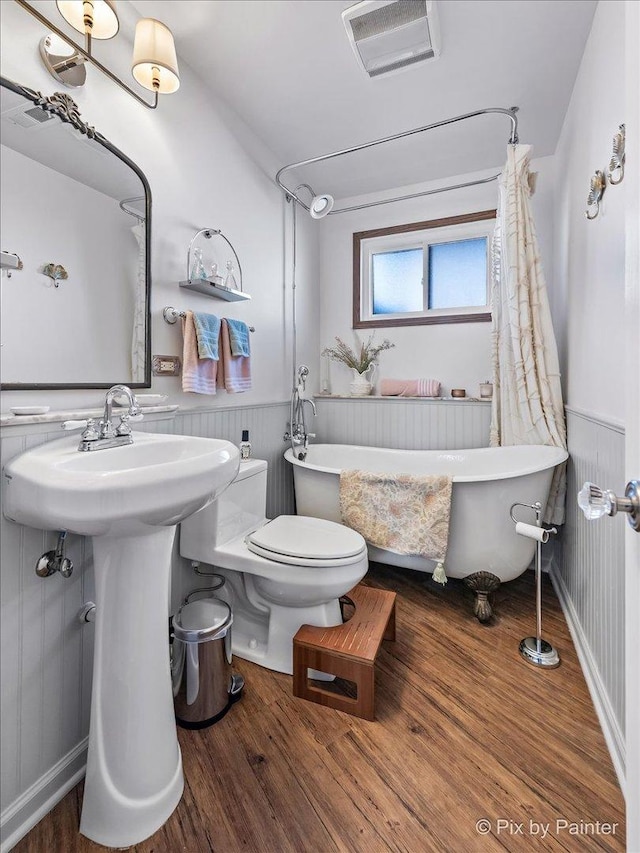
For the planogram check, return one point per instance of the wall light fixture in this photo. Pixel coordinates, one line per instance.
(154, 66)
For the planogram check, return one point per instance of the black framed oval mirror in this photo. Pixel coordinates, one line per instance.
(76, 220)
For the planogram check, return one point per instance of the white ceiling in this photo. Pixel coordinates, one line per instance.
(287, 69)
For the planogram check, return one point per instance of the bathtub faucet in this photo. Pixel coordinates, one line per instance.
(297, 428)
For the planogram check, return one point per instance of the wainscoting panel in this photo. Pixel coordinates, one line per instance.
(45, 668)
(266, 424)
(404, 424)
(47, 655)
(589, 575)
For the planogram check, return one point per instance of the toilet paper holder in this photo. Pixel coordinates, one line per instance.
(539, 533)
(535, 650)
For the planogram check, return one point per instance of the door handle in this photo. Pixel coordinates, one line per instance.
(596, 502)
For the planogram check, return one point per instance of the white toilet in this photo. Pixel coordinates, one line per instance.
(283, 573)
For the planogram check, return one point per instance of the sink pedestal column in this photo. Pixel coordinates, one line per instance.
(134, 768)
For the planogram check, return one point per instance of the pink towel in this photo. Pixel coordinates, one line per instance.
(409, 388)
(235, 370)
(198, 374)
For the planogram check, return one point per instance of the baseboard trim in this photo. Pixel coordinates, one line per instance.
(31, 806)
(609, 724)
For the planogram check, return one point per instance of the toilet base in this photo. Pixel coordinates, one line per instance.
(272, 647)
(263, 632)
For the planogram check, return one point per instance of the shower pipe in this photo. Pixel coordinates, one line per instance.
(292, 194)
(294, 256)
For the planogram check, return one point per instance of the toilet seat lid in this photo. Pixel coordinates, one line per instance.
(305, 538)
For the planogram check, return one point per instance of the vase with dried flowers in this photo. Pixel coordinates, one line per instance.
(362, 362)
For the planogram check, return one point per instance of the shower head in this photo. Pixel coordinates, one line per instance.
(321, 205)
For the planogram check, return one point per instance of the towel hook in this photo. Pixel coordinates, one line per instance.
(616, 164)
(596, 191)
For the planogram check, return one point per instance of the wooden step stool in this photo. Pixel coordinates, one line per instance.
(348, 651)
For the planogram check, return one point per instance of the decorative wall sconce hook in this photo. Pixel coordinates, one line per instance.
(56, 272)
(596, 191)
(616, 164)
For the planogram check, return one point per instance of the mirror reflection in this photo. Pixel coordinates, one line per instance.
(73, 210)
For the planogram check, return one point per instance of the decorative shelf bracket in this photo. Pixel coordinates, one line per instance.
(211, 286)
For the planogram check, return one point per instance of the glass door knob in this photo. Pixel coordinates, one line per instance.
(596, 502)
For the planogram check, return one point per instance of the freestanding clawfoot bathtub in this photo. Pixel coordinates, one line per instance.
(484, 548)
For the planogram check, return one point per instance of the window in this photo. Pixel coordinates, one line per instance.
(424, 272)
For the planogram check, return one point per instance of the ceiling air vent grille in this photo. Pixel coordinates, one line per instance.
(387, 35)
(32, 117)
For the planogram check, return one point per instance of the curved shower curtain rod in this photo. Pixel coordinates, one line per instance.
(513, 139)
(125, 206)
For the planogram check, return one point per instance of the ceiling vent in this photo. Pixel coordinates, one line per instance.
(389, 35)
(29, 117)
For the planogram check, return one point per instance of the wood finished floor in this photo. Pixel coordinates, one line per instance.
(465, 731)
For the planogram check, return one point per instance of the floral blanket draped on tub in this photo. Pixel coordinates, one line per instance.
(400, 513)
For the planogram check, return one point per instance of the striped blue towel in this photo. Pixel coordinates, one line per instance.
(238, 337)
(208, 335)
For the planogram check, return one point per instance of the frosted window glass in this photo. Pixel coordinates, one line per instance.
(397, 281)
(458, 273)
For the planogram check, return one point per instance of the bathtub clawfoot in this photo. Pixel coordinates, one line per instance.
(482, 583)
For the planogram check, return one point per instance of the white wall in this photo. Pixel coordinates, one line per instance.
(53, 334)
(201, 164)
(457, 355)
(588, 300)
(589, 256)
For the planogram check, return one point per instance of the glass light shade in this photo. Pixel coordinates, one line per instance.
(155, 65)
(103, 14)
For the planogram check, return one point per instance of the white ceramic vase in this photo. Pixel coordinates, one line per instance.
(361, 385)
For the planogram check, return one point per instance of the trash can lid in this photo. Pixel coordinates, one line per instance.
(202, 620)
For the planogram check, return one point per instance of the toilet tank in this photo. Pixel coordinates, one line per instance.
(237, 511)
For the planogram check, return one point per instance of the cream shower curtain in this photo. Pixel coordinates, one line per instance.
(527, 403)
(138, 340)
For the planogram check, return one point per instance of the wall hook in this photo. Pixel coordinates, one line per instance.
(616, 164)
(596, 191)
(56, 272)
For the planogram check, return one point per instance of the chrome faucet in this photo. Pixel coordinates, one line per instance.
(106, 435)
(297, 433)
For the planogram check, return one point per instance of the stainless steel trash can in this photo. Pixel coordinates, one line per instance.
(204, 688)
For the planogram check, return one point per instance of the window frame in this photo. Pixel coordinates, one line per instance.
(400, 237)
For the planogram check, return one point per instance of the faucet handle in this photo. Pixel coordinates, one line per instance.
(106, 429)
(90, 433)
(135, 410)
(123, 427)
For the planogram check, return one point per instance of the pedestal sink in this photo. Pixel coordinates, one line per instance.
(129, 499)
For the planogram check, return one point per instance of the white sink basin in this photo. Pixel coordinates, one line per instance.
(129, 499)
(158, 480)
